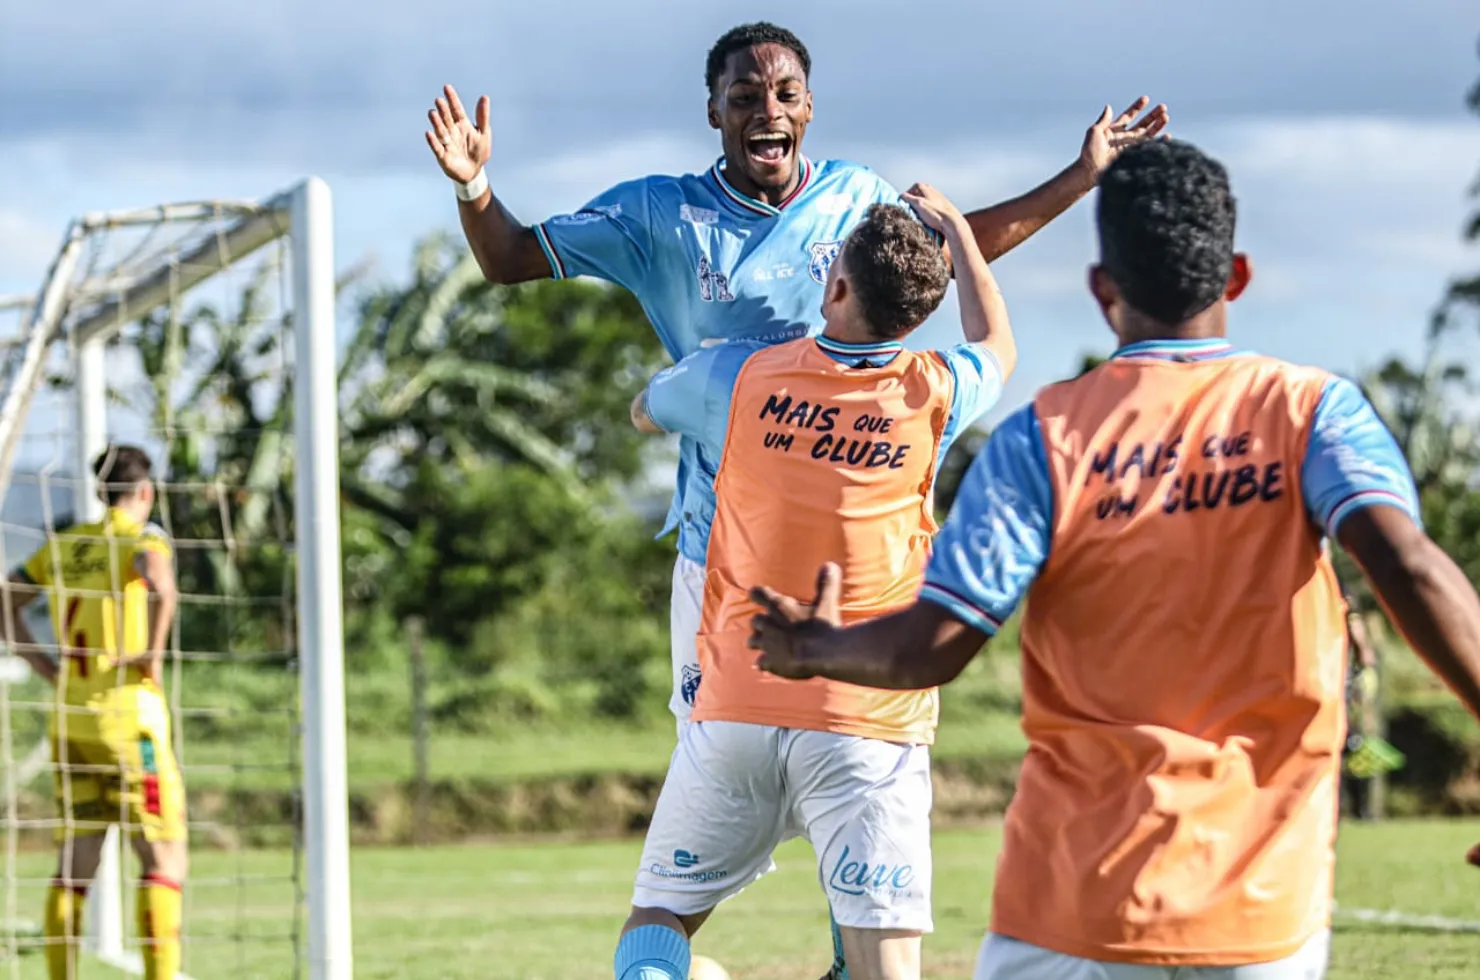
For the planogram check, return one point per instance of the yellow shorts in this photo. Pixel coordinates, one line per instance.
(118, 767)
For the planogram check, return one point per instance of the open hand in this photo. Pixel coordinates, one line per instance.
(784, 625)
(935, 209)
(461, 145)
(1109, 135)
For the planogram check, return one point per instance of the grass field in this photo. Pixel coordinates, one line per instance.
(259, 748)
(549, 911)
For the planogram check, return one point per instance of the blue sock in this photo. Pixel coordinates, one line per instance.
(839, 967)
(652, 953)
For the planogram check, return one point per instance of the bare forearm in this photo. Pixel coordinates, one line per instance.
(915, 649)
(1003, 227)
(507, 251)
(162, 606)
(869, 654)
(1426, 596)
(1435, 608)
(984, 318)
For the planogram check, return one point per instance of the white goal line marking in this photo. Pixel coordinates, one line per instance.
(1436, 923)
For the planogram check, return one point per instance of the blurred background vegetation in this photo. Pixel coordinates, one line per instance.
(494, 492)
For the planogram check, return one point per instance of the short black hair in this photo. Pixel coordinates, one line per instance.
(748, 36)
(120, 470)
(1165, 216)
(896, 269)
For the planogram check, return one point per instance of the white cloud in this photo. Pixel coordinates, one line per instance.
(1371, 152)
(1353, 222)
(27, 245)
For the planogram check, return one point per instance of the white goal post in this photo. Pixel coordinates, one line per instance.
(88, 308)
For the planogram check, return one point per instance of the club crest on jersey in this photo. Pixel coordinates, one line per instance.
(689, 684)
(714, 286)
(822, 254)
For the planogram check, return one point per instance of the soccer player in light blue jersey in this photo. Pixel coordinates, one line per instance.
(739, 250)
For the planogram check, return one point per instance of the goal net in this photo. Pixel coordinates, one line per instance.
(204, 334)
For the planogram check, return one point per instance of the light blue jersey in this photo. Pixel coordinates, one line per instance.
(708, 263)
(693, 399)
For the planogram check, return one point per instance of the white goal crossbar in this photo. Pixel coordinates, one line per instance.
(98, 311)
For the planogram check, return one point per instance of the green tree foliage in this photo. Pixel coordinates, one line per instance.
(486, 461)
(209, 383)
(486, 431)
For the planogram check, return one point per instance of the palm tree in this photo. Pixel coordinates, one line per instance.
(410, 392)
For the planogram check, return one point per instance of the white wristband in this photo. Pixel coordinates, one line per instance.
(474, 188)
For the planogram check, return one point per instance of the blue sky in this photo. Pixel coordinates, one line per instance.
(1343, 125)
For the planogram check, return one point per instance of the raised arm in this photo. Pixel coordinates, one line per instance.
(983, 311)
(1003, 227)
(507, 251)
(20, 591)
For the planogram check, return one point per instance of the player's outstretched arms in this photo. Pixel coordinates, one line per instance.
(507, 251)
(18, 636)
(920, 647)
(1424, 593)
(984, 317)
(1002, 227)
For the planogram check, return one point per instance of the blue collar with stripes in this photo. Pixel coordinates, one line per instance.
(1172, 349)
(747, 203)
(857, 355)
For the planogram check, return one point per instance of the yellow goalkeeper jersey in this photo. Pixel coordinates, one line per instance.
(93, 579)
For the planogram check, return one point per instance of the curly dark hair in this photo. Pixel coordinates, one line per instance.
(120, 470)
(896, 269)
(1166, 216)
(748, 36)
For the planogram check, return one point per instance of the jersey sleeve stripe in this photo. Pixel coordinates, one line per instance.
(962, 608)
(1366, 498)
(557, 268)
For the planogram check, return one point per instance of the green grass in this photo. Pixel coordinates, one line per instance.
(252, 742)
(979, 719)
(549, 911)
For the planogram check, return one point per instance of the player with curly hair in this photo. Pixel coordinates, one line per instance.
(738, 251)
(826, 449)
(741, 250)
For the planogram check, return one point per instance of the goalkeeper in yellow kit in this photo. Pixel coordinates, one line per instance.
(111, 588)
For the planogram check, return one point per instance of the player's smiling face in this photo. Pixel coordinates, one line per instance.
(761, 105)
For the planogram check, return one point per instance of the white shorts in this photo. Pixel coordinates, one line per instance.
(736, 791)
(684, 609)
(1007, 959)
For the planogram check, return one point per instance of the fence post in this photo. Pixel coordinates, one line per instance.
(1378, 799)
(421, 786)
